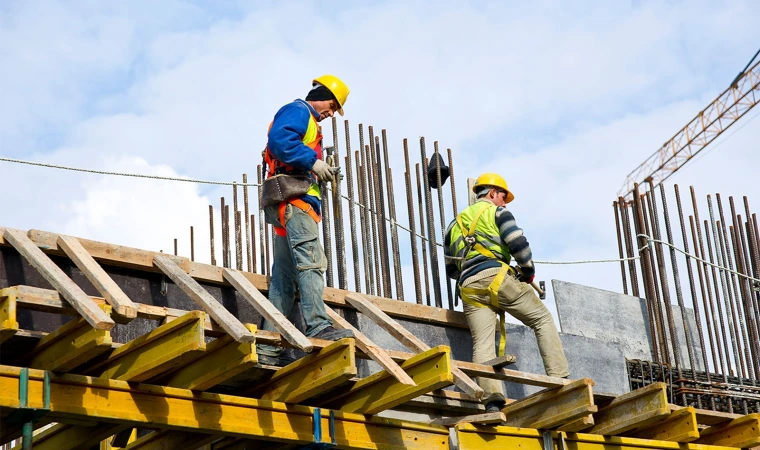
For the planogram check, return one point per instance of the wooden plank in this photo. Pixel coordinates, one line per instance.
(8, 322)
(633, 410)
(549, 409)
(380, 391)
(479, 419)
(501, 361)
(223, 359)
(267, 309)
(169, 346)
(411, 341)
(195, 291)
(71, 345)
(315, 373)
(377, 354)
(62, 283)
(679, 426)
(122, 305)
(161, 407)
(742, 432)
(584, 423)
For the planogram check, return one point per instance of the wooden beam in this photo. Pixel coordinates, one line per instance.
(195, 291)
(380, 391)
(549, 409)
(70, 346)
(8, 322)
(743, 432)
(223, 359)
(377, 354)
(411, 341)
(584, 423)
(267, 309)
(633, 410)
(501, 361)
(479, 419)
(709, 417)
(69, 437)
(679, 426)
(122, 306)
(160, 407)
(62, 283)
(313, 374)
(169, 346)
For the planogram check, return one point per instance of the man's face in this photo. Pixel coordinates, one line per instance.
(498, 197)
(325, 108)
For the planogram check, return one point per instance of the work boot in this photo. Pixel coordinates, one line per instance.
(331, 334)
(492, 407)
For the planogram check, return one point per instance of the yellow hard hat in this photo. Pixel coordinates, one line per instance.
(493, 180)
(337, 87)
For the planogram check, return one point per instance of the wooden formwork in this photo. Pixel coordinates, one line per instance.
(196, 382)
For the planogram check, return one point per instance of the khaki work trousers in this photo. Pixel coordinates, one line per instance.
(519, 300)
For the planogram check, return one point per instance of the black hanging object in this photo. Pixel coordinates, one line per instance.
(435, 162)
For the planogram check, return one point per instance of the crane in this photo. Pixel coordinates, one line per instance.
(699, 132)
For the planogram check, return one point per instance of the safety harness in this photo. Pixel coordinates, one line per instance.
(472, 243)
(300, 204)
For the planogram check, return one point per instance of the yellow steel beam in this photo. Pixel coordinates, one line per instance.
(223, 359)
(430, 370)
(168, 346)
(71, 345)
(312, 374)
(743, 432)
(679, 426)
(169, 439)
(584, 423)
(8, 322)
(633, 410)
(473, 437)
(68, 437)
(551, 408)
(104, 400)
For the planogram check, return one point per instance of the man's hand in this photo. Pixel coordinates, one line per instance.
(527, 274)
(322, 170)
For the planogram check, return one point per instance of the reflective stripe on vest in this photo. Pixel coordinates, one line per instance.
(479, 221)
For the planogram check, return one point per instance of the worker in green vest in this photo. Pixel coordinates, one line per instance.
(478, 247)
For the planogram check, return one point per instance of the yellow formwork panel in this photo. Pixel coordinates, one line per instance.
(70, 437)
(471, 437)
(168, 346)
(741, 432)
(77, 397)
(8, 322)
(167, 439)
(223, 359)
(71, 345)
(430, 370)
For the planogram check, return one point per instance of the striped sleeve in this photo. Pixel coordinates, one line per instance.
(513, 237)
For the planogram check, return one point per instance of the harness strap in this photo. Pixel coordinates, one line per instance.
(493, 293)
(469, 234)
(300, 204)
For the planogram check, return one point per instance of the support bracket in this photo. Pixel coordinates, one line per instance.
(318, 444)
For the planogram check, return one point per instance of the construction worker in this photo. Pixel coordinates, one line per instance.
(478, 246)
(294, 149)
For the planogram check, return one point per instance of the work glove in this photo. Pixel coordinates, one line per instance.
(322, 170)
(527, 275)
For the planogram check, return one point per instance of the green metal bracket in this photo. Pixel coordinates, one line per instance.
(26, 415)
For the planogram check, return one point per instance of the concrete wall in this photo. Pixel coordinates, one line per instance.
(620, 319)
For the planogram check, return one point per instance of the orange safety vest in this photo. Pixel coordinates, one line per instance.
(312, 139)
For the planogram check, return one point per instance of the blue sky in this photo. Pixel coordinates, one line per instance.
(562, 99)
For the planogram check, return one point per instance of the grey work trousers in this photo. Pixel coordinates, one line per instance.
(519, 300)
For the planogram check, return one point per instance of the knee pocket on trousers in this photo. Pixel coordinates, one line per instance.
(307, 252)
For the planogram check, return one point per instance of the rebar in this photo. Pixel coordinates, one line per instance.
(248, 247)
(442, 215)
(739, 247)
(351, 212)
(662, 332)
(225, 247)
(252, 240)
(646, 273)
(412, 226)
(192, 244)
(431, 227)
(453, 184)
(340, 246)
(369, 189)
(420, 201)
(366, 244)
(394, 228)
(238, 229)
(630, 252)
(211, 233)
(620, 246)
(365, 195)
(263, 229)
(380, 208)
(175, 246)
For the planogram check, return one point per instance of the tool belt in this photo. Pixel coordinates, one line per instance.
(300, 204)
(283, 188)
(493, 293)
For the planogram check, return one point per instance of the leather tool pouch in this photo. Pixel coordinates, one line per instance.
(281, 188)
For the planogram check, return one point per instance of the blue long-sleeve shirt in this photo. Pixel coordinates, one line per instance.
(285, 140)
